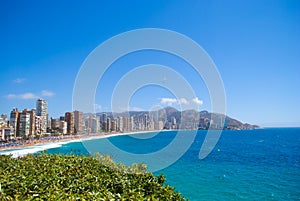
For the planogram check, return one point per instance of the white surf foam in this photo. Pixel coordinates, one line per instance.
(30, 150)
(20, 152)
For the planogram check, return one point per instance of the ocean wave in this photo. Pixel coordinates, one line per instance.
(30, 150)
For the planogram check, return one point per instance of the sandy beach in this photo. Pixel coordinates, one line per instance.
(51, 139)
(64, 139)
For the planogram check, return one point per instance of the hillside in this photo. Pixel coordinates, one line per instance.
(188, 119)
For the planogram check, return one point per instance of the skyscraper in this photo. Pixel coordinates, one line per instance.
(108, 125)
(32, 128)
(78, 121)
(53, 123)
(126, 124)
(63, 126)
(24, 126)
(119, 124)
(69, 118)
(113, 125)
(14, 121)
(42, 111)
(104, 122)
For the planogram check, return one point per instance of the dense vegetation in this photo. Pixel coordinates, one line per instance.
(58, 177)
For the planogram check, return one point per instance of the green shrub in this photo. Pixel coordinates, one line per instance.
(106, 160)
(70, 177)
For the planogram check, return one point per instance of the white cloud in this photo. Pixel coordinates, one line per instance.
(171, 101)
(29, 95)
(19, 80)
(197, 101)
(46, 93)
(24, 96)
(97, 107)
(183, 101)
(11, 96)
(168, 101)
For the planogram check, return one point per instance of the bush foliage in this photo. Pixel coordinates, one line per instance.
(70, 177)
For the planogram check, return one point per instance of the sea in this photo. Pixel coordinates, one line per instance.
(261, 164)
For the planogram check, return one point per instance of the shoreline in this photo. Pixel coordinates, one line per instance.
(59, 140)
(65, 139)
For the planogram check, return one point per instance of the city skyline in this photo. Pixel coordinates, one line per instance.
(35, 123)
(255, 46)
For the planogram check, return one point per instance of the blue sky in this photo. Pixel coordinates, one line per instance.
(254, 44)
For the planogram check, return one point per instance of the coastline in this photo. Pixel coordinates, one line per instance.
(33, 146)
(76, 138)
(65, 139)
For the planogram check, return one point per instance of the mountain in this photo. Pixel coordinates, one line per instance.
(229, 123)
(187, 119)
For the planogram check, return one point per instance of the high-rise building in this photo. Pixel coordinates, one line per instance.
(132, 124)
(4, 117)
(5, 133)
(146, 122)
(69, 118)
(2, 123)
(108, 125)
(160, 125)
(63, 126)
(93, 124)
(173, 120)
(151, 125)
(42, 111)
(78, 121)
(5, 130)
(113, 125)
(119, 122)
(53, 123)
(24, 126)
(104, 121)
(126, 124)
(32, 128)
(14, 122)
(37, 125)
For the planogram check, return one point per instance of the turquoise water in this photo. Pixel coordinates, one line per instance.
(245, 165)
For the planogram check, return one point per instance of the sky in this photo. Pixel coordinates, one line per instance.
(255, 46)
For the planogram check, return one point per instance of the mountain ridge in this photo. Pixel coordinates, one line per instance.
(188, 119)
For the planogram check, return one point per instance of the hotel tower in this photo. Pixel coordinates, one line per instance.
(42, 112)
